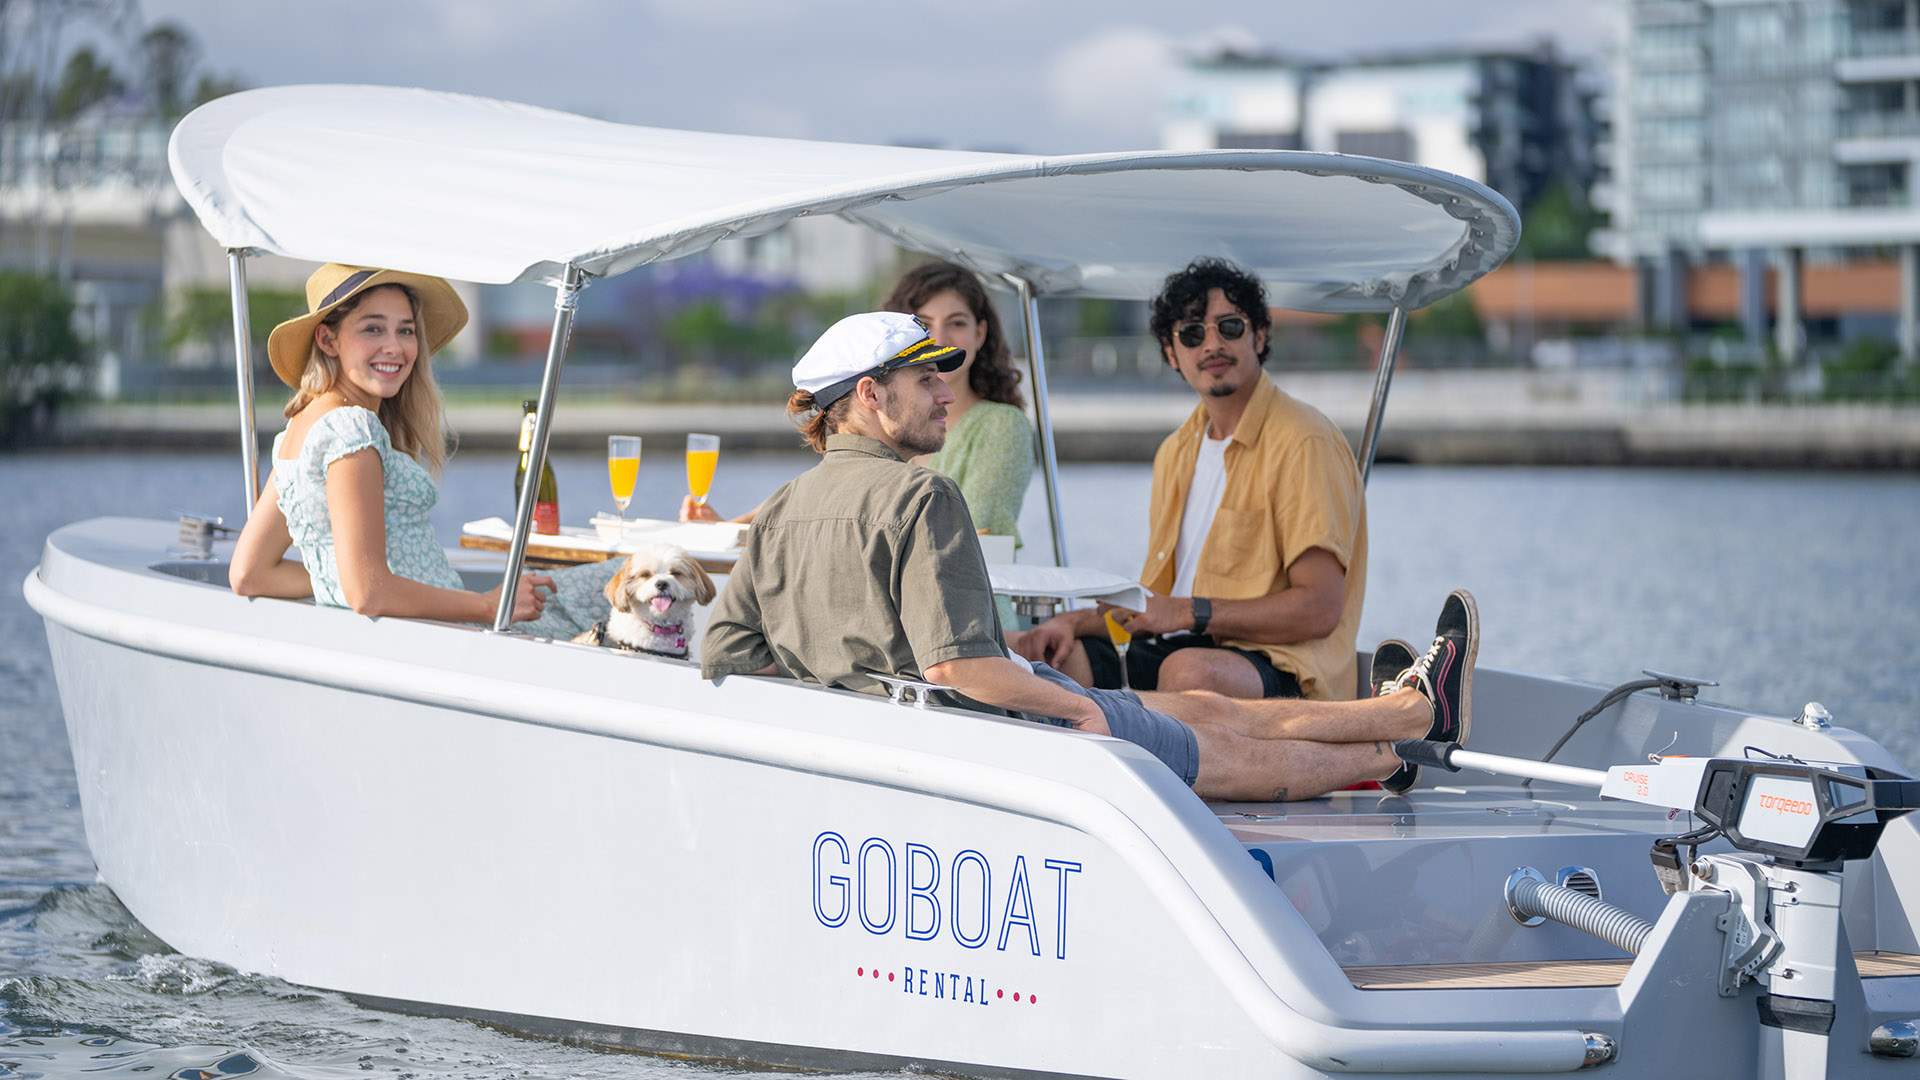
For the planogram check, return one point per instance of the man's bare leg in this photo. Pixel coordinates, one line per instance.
(1221, 670)
(1233, 766)
(1403, 714)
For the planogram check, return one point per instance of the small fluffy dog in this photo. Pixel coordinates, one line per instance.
(653, 597)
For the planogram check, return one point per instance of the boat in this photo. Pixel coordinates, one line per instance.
(603, 846)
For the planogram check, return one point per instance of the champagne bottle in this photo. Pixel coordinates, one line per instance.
(546, 498)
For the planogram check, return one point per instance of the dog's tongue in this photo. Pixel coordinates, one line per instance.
(661, 604)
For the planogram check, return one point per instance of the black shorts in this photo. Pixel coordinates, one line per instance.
(1146, 653)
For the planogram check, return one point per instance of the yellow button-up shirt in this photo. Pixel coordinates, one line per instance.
(1292, 485)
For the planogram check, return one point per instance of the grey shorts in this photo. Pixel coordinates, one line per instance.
(1157, 733)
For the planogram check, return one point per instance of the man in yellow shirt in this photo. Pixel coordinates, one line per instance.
(1257, 543)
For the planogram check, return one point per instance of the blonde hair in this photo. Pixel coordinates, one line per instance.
(415, 418)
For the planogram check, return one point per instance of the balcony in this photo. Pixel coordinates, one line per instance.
(1880, 56)
(1872, 44)
(1880, 125)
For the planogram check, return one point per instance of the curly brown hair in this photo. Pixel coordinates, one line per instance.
(992, 375)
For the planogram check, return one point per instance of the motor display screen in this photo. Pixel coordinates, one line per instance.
(1780, 810)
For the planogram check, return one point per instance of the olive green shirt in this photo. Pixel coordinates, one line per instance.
(863, 563)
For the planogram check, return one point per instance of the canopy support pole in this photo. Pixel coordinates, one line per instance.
(566, 297)
(243, 374)
(1037, 372)
(1382, 382)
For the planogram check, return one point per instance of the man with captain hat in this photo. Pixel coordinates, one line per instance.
(868, 564)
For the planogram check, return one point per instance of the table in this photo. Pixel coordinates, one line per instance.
(712, 545)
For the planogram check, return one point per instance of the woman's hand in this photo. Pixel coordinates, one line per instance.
(692, 509)
(528, 600)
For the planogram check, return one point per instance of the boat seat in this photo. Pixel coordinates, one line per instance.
(1563, 974)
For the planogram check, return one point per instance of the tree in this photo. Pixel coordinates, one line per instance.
(1557, 225)
(214, 86)
(168, 54)
(84, 82)
(41, 358)
(205, 316)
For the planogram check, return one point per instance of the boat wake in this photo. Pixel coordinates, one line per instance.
(108, 998)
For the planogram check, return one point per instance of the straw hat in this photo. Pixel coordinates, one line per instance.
(290, 345)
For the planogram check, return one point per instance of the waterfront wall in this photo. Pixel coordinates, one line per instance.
(1508, 417)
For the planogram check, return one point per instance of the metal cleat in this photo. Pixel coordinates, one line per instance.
(909, 692)
(197, 532)
(1678, 687)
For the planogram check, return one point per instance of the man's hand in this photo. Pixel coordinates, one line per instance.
(1047, 643)
(1164, 615)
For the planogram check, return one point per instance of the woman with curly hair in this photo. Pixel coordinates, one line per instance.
(989, 449)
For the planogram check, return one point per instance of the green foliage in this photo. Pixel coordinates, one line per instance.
(1556, 226)
(205, 316)
(1102, 318)
(168, 53)
(86, 81)
(1868, 369)
(1450, 317)
(41, 358)
(705, 332)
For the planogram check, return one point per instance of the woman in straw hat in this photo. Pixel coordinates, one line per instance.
(353, 474)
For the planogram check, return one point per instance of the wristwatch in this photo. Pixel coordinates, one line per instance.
(1202, 614)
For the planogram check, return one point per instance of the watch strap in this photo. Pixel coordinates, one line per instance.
(1202, 614)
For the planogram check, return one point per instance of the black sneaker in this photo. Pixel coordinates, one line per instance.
(1390, 658)
(1445, 673)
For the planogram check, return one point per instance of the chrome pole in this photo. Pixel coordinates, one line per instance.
(1382, 382)
(566, 297)
(1037, 371)
(243, 373)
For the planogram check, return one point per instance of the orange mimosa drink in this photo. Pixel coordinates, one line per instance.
(703, 457)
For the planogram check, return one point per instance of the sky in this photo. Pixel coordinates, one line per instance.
(1038, 76)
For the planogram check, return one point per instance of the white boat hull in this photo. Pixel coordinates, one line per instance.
(584, 842)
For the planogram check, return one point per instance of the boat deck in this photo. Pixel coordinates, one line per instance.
(1444, 813)
(1439, 857)
(1563, 974)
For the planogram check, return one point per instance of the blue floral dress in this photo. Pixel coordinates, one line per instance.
(412, 552)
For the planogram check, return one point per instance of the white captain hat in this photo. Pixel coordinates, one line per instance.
(868, 344)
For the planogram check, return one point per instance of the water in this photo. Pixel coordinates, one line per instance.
(1785, 587)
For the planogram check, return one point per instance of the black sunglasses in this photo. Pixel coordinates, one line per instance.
(1194, 334)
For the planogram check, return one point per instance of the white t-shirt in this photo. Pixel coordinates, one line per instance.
(1203, 501)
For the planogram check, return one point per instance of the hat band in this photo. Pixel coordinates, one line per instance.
(342, 290)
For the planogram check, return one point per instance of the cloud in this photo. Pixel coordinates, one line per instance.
(1111, 84)
(1111, 87)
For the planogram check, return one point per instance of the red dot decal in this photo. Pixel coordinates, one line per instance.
(889, 976)
(1033, 999)
(860, 971)
(876, 973)
(1016, 995)
(999, 993)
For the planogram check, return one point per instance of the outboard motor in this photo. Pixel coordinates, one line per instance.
(1793, 826)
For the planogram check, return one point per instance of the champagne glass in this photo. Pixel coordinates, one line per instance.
(1116, 633)
(623, 468)
(703, 457)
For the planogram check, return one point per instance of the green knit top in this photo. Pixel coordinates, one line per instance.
(989, 454)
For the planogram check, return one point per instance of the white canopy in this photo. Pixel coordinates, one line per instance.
(491, 191)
